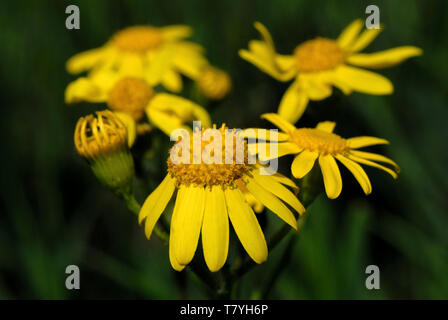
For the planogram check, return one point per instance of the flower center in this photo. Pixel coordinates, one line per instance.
(318, 140)
(318, 54)
(137, 39)
(130, 95)
(219, 158)
(96, 136)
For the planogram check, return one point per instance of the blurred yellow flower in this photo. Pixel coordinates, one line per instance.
(320, 143)
(134, 96)
(321, 63)
(157, 54)
(214, 83)
(209, 194)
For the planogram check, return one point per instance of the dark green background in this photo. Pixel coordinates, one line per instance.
(55, 213)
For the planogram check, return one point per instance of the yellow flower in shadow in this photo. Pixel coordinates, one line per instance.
(321, 63)
(158, 54)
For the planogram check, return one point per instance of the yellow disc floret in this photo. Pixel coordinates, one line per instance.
(138, 39)
(318, 55)
(319, 140)
(130, 95)
(100, 135)
(230, 166)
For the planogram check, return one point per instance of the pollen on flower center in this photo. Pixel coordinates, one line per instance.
(318, 54)
(137, 39)
(319, 140)
(130, 95)
(203, 170)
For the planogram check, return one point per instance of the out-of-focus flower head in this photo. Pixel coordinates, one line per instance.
(160, 55)
(321, 63)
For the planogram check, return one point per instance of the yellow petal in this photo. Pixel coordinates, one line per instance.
(372, 164)
(246, 225)
(279, 122)
(199, 113)
(384, 59)
(293, 103)
(172, 81)
(262, 54)
(333, 78)
(165, 121)
(365, 141)
(188, 223)
(273, 185)
(358, 172)
(331, 175)
(174, 263)
(85, 60)
(131, 65)
(176, 32)
(156, 203)
(285, 62)
(363, 80)
(188, 59)
(256, 205)
(131, 126)
(285, 180)
(327, 126)
(349, 34)
(104, 79)
(271, 150)
(184, 109)
(272, 203)
(267, 66)
(262, 51)
(366, 37)
(264, 134)
(375, 157)
(315, 85)
(159, 65)
(303, 163)
(215, 229)
(83, 89)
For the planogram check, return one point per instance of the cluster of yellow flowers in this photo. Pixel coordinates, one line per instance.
(129, 73)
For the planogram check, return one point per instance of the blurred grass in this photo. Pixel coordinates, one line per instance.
(54, 212)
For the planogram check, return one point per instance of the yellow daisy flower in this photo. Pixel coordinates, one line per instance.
(209, 194)
(157, 54)
(135, 97)
(321, 63)
(320, 143)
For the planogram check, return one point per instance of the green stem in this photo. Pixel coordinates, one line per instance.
(284, 261)
(134, 207)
